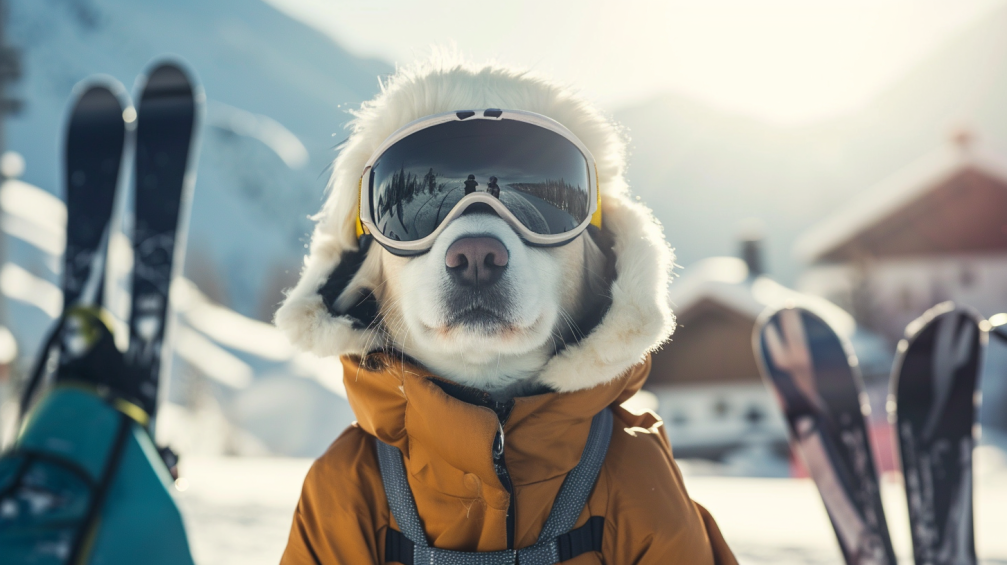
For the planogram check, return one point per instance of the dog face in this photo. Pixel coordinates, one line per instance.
(505, 329)
(482, 307)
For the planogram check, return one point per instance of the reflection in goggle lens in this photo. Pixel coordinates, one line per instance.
(539, 175)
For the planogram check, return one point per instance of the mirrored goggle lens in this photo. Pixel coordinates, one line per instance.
(539, 175)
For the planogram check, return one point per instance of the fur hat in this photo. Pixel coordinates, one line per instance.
(639, 319)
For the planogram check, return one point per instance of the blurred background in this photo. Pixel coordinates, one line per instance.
(850, 153)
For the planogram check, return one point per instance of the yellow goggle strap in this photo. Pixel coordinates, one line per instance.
(360, 226)
(596, 217)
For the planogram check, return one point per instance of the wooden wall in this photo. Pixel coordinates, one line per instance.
(713, 344)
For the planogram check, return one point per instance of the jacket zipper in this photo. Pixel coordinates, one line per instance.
(502, 411)
(500, 466)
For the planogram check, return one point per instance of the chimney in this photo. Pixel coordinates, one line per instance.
(963, 138)
(750, 235)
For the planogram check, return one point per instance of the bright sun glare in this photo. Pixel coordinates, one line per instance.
(785, 61)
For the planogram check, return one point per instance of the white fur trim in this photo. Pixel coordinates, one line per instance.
(639, 319)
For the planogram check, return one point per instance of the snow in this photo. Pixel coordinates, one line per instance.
(282, 141)
(19, 284)
(226, 326)
(239, 510)
(215, 362)
(30, 203)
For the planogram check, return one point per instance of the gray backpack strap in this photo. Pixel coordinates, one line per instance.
(414, 549)
(580, 481)
(400, 498)
(552, 547)
(572, 496)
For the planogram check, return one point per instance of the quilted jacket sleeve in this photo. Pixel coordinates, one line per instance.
(340, 521)
(650, 518)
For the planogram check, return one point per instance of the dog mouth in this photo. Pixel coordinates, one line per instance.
(478, 318)
(471, 309)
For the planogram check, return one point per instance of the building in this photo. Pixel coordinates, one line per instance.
(933, 231)
(709, 389)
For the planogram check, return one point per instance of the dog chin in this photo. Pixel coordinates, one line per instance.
(502, 363)
(478, 337)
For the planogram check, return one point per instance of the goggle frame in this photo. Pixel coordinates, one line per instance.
(365, 222)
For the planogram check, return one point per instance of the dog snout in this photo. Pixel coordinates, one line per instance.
(476, 261)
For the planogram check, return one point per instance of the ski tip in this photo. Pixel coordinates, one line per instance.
(101, 82)
(97, 95)
(169, 76)
(919, 335)
(794, 325)
(96, 101)
(914, 328)
(808, 364)
(773, 315)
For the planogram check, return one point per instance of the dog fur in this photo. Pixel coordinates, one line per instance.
(637, 321)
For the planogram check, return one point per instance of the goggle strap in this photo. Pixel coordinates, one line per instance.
(596, 217)
(360, 225)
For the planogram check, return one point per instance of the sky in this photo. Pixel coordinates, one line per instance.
(788, 62)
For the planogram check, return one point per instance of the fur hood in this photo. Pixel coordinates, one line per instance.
(639, 319)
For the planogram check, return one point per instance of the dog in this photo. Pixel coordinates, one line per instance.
(488, 327)
(550, 338)
(544, 295)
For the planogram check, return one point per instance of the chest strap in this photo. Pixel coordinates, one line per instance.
(557, 542)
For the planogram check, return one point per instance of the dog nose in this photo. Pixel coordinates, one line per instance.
(476, 261)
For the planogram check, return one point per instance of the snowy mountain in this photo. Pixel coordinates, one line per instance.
(277, 96)
(279, 90)
(703, 171)
(233, 381)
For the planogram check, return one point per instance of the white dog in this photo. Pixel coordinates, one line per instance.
(435, 322)
(547, 291)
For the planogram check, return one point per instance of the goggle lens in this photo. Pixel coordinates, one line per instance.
(537, 174)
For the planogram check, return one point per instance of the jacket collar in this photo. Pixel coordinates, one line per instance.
(445, 439)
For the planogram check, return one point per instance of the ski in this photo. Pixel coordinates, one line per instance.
(933, 404)
(84, 482)
(164, 176)
(814, 375)
(95, 140)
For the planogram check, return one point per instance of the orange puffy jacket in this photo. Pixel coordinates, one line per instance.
(343, 515)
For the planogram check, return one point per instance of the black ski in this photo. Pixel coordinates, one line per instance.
(815, 378)
(82, 479)
(933, 406)
(164, 177)
(95, 139)
(94, 148)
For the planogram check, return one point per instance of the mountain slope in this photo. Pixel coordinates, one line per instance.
(703, 171)
(249, 221)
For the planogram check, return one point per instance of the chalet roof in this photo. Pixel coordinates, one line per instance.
(897, 193)
(724, 281)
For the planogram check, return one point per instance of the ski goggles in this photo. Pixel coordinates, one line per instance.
(528, 169)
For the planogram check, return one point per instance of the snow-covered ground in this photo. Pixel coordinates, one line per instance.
(238, 510)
